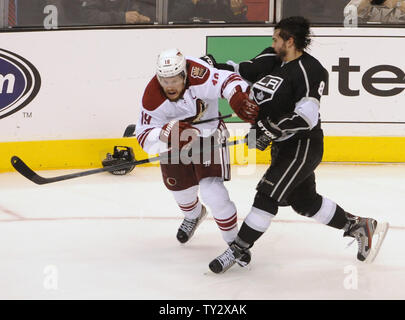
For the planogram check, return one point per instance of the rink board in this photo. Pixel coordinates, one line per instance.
(76, 112)
(69, 154)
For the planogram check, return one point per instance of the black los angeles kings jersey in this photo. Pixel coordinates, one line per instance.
(254, 69)
(290, 96)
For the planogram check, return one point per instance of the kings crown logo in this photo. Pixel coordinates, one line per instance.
(19, 83)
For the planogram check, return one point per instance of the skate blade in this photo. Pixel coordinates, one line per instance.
(202, 218)
(191, 237)
(380, 232)
(247, 267)
(243, 264)
(210, 272)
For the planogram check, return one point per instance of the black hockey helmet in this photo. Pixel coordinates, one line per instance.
(121, 155)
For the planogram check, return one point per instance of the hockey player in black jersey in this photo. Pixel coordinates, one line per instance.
(289, 100)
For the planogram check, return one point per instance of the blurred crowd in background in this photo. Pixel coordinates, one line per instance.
(69, 13)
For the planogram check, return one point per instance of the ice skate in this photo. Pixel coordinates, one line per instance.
(234, 254)
(189, 226)
(369, 235)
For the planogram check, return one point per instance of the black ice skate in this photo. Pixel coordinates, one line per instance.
(234, 254)
(189, 226)
(363, 230)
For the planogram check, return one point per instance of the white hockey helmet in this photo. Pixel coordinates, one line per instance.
(170, 63)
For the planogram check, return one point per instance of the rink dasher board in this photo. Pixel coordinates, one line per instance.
(83, 105)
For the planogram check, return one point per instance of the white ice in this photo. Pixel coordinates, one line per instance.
(109, 237)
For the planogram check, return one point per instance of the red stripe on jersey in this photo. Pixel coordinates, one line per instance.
(232, 78)
(142, 137)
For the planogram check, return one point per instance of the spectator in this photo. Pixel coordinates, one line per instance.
(207, 10)
(181, 10)
(316, 11)
(382, 11)
(101, 12)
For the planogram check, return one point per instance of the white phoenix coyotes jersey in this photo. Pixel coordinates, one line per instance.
(205, 85)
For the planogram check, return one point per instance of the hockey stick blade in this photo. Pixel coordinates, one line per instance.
(27, 172)
(129, 131)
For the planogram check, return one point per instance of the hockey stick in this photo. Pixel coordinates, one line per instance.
(129, 131)
(216, 118)
(27, 172)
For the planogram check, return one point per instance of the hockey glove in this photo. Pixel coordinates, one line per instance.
(262, 134)
(179, 134)
(245, 108)
(233, 65)
(209, 58)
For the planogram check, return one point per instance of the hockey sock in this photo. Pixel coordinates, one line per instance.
(247, 236)
(216, 197)
(339, 219)
(257, 221)
(255, 224)
(330, 214)
(228, 227)
(188, 202)
(192, 209)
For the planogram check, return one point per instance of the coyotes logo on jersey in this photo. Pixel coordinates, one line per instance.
(201, 107)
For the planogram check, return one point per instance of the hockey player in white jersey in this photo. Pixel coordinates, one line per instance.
(183, 91)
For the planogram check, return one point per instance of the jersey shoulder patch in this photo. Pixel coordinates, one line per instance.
(153, 96)
(197, 73)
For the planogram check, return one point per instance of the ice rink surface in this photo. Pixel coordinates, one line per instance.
(110, 237)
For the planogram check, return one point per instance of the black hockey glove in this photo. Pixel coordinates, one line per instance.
(262, 134)
(209, 58)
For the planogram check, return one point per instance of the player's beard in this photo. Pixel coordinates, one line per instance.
(282, 52)
(177, 98)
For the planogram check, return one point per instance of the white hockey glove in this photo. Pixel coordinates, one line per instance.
(234, 65)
